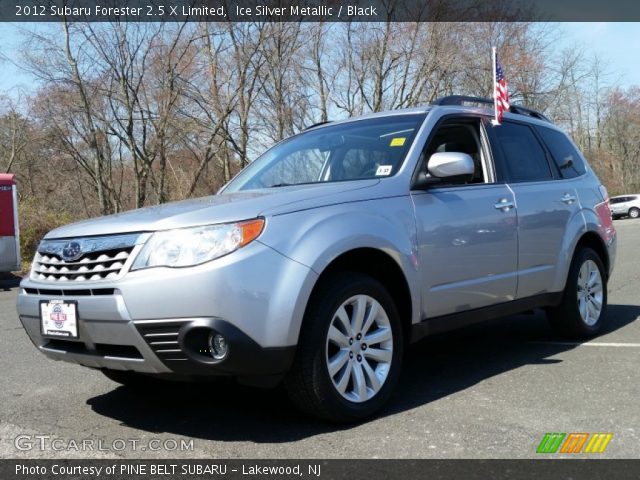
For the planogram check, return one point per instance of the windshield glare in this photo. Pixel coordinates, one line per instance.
(363, 149)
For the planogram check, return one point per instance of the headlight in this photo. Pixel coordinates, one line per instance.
(184, 247)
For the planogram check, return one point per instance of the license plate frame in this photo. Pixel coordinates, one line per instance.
(59, 318)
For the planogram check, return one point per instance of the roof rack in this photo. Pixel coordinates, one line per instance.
(317, 124)
(529, 112)
(462, 99)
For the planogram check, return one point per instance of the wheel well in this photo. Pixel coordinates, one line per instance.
(384, 269)
(594, 242)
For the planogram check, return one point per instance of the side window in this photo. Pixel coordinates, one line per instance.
(564, 154)
(460, 136)
(523, 157)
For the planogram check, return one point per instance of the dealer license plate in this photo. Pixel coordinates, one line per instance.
(59, 318)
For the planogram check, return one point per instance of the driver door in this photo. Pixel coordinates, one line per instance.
(466, 233)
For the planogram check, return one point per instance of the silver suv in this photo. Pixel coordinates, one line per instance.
(321, 261)
(625, 205)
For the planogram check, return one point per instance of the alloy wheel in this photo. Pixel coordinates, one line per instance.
(590, 293)
(359, 348)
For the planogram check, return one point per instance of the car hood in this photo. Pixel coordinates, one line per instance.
(221, 208)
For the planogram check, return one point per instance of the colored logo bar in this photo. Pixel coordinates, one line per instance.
(574, 442)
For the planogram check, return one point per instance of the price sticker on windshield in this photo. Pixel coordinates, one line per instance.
(383, 170)
(397, 142)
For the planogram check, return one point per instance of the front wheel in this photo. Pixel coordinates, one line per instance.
(634, 213)
(350, 350)
(581, 311)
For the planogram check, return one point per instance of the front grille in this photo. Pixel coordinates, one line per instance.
(86, 259)
(91, 267)
(93, 292)
(162, 337)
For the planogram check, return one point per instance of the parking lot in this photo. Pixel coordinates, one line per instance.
(489, 391)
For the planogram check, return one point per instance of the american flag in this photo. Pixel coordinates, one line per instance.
(501, 91)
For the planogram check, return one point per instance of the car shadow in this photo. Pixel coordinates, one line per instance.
(434, 368)
(9, 281)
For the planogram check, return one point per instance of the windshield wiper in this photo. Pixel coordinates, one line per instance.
(280, 185)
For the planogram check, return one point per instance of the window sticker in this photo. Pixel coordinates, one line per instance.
(383, 170)
(397, 142)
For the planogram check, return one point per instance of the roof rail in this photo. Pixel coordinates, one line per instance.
(317, 124)
(462, 99)
(529, 112)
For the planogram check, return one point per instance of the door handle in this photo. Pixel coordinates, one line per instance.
(504, 204)
(568, 198)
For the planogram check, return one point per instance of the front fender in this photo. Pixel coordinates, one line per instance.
(316, 237)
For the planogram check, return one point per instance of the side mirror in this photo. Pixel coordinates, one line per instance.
(447, 167)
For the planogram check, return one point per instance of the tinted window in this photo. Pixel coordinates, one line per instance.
(524, 158)
(564, 154)
(459, 136)
(617, 200)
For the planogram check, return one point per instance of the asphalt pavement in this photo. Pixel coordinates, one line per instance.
(488, 391)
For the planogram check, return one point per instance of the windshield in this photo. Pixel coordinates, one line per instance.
(371, 148)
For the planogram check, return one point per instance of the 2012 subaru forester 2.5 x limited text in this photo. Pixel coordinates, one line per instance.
(321, 261)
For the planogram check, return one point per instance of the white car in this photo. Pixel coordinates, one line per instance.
(625, 205)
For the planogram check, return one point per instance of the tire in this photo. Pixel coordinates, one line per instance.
(327, 338)
(578, 314)
(634, 213)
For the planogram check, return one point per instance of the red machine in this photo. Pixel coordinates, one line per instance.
(9, 231)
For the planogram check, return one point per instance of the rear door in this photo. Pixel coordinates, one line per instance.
(545, 203)
(467, 244)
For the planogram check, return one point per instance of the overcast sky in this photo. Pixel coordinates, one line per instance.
(617, 43)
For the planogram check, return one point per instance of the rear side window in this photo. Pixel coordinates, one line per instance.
(524, 158)
(618, 200)
(564, 154)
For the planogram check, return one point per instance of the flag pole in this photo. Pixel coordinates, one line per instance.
(495, 87)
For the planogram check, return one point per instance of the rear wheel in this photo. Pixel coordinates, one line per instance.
(634, 213)
(350, 350)
(581, 311)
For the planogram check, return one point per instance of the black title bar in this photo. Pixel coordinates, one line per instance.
(318, 10)
(557, 469)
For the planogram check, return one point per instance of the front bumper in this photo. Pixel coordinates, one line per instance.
(157, 321)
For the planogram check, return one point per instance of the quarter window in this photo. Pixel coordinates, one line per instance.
(565, 155)
(524, 158)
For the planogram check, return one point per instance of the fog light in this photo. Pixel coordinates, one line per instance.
(218, 346)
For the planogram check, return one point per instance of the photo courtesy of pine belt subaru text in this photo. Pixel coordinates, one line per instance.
(321, 261)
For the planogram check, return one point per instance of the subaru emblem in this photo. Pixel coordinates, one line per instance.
(71, 251)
